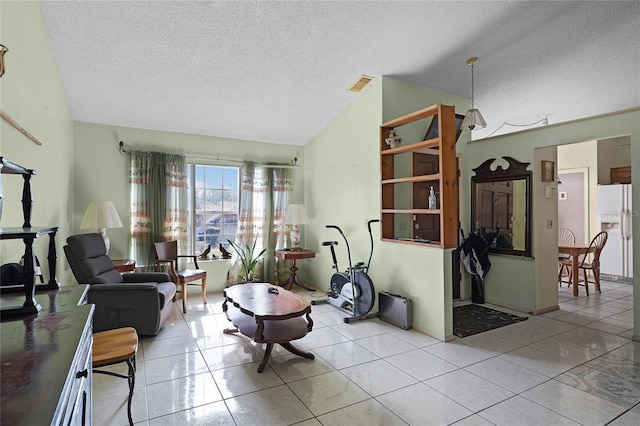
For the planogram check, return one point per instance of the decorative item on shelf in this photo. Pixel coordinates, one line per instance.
(433, 131)
(296, 215)
(473, 120)
(225, 253)
(248, 259)
(393, 141)
(432, 199)
(101, 215)
(205, 254)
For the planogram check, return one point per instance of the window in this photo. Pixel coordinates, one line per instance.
(214, 201)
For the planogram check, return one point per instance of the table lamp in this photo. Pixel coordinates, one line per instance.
(101, 215)
(296, 215)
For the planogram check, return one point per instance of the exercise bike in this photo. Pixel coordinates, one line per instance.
(351, 291)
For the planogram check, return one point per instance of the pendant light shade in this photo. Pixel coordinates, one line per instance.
(473, 120)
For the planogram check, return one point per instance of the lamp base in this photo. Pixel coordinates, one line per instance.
(107, 240)
(295, 238)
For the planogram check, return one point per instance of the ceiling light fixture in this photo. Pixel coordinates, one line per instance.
(473, 120)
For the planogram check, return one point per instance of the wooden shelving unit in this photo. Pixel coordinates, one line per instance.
(427, 163)
(28, 235)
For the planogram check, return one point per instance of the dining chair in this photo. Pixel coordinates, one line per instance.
(565, 238)
(590, 261)
(167, 252)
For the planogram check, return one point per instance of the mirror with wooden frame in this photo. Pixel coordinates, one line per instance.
(501, 206)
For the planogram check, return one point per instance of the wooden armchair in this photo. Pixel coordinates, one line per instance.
(590, 261)
(167, 252)
(565, 238)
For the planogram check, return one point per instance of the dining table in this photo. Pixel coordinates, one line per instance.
(575, 251)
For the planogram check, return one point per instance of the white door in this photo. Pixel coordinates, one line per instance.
(572, 203)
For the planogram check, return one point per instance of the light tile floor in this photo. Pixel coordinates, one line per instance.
(576, 365)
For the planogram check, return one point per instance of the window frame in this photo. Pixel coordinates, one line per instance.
(192, 238)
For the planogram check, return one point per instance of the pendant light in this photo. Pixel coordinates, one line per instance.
(473, 119)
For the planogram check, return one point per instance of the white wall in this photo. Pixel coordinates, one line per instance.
(612, 152)
(584, 155)
(31, 93)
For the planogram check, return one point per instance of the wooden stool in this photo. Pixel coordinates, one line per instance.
(113, 347)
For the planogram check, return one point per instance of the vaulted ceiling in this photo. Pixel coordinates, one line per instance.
(278, 71)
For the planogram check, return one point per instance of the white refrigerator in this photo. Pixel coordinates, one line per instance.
(614, 209)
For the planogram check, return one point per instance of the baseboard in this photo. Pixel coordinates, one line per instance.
(616, 279)
(545, 310)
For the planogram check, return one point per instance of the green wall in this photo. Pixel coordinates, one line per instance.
(342, 187)
(338, 181)
(528, 284)
(31, 93)
(101, 172)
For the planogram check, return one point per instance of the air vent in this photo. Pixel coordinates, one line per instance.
(360, 84)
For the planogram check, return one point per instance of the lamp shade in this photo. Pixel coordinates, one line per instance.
(101, 214)
(296, 215)
(473, 120)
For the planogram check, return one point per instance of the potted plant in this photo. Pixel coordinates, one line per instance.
(248, 258)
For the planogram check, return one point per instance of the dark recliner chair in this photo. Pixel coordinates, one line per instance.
(140, 300)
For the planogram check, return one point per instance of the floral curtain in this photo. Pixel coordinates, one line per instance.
(264, 198)
(282, 188)
(158, 203)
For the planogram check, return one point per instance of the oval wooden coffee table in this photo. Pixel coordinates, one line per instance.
(268, 314)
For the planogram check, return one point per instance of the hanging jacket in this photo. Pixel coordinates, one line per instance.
(474, 254)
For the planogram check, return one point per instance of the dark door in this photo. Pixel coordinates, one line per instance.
(428, 226)
(425, 226)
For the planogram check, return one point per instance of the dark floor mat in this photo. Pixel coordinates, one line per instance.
(473, 319)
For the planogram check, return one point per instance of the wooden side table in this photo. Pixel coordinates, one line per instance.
(293, 256)
(124, 265)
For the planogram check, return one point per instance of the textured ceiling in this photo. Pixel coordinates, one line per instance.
(278, 71)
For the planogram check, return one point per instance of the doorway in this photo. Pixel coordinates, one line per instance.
(573, 201)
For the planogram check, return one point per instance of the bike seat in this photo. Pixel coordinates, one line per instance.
(358, 265)
(329, 243)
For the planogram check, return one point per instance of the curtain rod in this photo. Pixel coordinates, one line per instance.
(293, 164)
